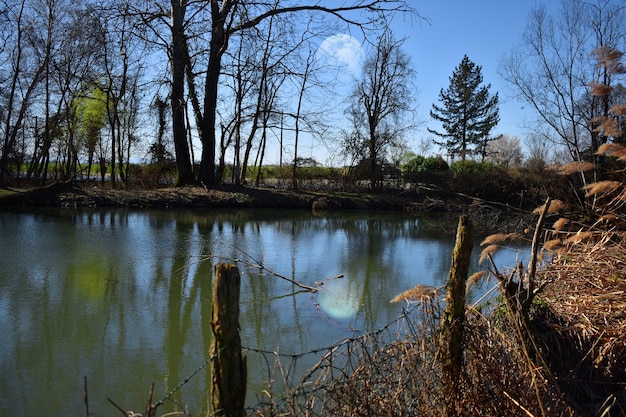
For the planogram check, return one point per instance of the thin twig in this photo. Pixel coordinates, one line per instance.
(528, 413)
(532, 264)
(150, 410)
(117, 406)
(258, 264)
(86, 398)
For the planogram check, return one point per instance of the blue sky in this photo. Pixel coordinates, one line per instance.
(485, 30)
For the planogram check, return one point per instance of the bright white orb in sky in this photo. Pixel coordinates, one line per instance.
(341, 52)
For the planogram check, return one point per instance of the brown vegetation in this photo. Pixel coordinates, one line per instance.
(553, 344)
(583, 325)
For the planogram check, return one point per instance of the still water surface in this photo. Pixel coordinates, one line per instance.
(123, 297)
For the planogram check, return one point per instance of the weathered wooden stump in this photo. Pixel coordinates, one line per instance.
(451, 354)
(228, 367)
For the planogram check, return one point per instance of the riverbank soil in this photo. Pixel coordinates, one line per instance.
(487, 215)
(85, 195)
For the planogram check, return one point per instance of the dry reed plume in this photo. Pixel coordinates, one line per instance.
(417, 293)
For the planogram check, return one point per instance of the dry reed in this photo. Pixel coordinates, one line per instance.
(387, 374)
(618, 109)
(559, 225)
(474, 279)
(601, 187)
(488, 252)
(555, 207)
(573, 167)
(417, 293)
(500, 238)
(613, 149)
(586, 325)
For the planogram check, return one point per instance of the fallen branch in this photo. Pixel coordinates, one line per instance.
(259, 265)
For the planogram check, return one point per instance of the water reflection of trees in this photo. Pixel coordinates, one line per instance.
(130, 291)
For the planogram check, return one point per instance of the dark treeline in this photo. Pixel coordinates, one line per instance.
(102, 83)
(203, 88)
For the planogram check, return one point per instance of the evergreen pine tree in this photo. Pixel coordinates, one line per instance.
(468, 112)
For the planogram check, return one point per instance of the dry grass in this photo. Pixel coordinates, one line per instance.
(559, 225)
(500, 238)
(585, 328)
(619, 109)
(613, 149)
(555, 207)
(601, 187)
(573, 167)
(396, 373)
(599, 89)
(488, 252)
(474, 279)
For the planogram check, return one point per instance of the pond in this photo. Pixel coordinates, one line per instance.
(123, 297)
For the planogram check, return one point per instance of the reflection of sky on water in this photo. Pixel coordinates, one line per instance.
(124, 296)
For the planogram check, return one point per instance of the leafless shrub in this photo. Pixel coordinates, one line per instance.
(395, 372)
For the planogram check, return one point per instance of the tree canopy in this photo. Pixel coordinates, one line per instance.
(467, 113)
(190, 53)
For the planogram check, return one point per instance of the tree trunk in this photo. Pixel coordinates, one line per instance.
(216, 50)
(183, 162)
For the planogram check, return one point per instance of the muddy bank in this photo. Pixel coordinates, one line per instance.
(486, 215)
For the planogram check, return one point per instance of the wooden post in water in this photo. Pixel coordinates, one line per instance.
(451, 354)
(228, 368)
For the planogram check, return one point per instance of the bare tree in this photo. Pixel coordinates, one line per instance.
(180, 65)
(242, 82)
(271, 71)
(504, 151)
(122, 70)
(552, 67)
(247, 75)
(381, 102)
(54, 52)
(224, 23)
(305, 82)
(198, 38)
(299, 68)
(216, 22)
(25, 73)
(74, 65)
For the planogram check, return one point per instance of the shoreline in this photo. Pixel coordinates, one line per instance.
(486, 216)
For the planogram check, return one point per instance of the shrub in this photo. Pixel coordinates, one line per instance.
(155, 174)
(435, 164)
(471, 167)
(484, 180)
(421, 164)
